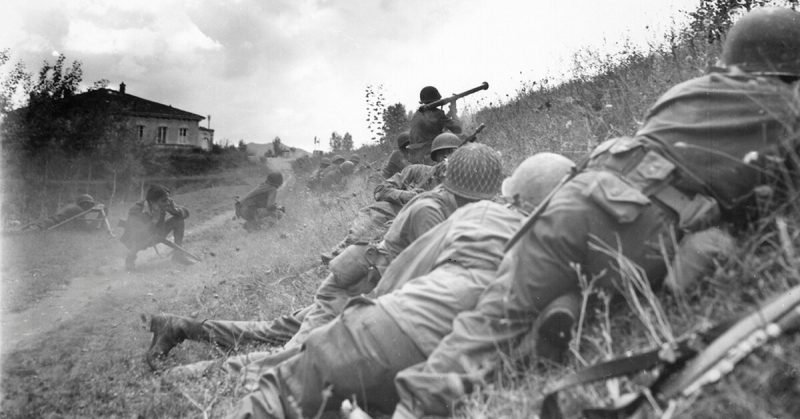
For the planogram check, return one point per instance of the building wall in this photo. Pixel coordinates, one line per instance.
(150, 131)
(206, 138)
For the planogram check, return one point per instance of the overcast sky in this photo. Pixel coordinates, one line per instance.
(299, 68)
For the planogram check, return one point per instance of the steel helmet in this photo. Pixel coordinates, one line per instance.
(156, 193)
(535, 177)
(429, 94)
(85, 198)
(403, 139)
(765, 41)
(445, 140)
(275, 179)
(337, 159)
(324, 162)
(474, 171)
(348, 167)
(355, 159)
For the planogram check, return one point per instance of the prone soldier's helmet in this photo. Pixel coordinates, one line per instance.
(275, 179)
(444, 141)
(324, 162)
(84, 199)
(403, 139)
(474, 171)
(765, 41)
(337, 159)
(535, 177)
(355, 159)
(348, 167)
(429, 94)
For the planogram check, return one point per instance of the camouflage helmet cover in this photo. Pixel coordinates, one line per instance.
(765, 41)
(429, 94)
(474, 171)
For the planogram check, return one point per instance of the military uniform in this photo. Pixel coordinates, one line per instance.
(359, 353)
(147, 226)
(353, 274)
(425, 125)
(685, 170)
(403, 186)
(90, 221)
(258, 205)
(396, 162)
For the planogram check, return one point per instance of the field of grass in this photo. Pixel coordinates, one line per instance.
(89, 364)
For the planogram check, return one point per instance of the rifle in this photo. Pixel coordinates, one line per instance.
(446, 100)
(474, 136)
(687, 367)
(99, 207)
(178, 248)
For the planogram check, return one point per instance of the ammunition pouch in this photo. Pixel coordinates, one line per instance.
(639, 174)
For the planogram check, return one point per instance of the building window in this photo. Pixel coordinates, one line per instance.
(162, 135)
(182, 135)
(140, 132)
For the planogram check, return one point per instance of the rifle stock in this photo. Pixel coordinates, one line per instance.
(180, 249)
(446, 100)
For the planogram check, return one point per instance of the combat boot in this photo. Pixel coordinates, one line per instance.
(554, 327)
(168, 331)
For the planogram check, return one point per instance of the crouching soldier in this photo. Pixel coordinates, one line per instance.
(148, 225)
(84, 214)
(259, 205)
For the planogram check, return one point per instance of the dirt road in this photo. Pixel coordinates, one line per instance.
(77, 350)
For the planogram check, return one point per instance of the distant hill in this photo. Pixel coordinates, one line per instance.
(257, 150)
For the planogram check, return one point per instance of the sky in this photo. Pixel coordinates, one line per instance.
(298, 69)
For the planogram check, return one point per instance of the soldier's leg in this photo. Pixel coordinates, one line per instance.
(176, 225)
(274, 332)
(350, 276)
(356, 355)
(170, 330)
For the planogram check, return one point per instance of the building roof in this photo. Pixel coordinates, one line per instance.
(131, 105)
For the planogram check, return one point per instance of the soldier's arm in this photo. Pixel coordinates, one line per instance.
(393, 189)
(450, 122)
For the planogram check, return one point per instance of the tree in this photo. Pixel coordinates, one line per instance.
(335, 142)
(52, 136)
(14, 86)
(347, 142)
(395, 121)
